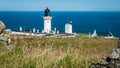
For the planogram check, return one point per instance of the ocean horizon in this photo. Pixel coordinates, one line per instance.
(83, 22)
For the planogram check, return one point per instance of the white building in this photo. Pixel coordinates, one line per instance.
(21, 29)
(37, 30)
(34, 30)
(94, 34)
(110, 36)
(68, 28)
(54, 31)
(57, 31)
(47, 21)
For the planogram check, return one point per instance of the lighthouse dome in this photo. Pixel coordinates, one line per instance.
(47, 11)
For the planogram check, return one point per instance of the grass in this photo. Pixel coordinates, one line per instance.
(53, 52)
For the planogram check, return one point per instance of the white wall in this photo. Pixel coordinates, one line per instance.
(68, 28)
(47, 24)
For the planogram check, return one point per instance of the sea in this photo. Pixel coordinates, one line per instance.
(83, 22)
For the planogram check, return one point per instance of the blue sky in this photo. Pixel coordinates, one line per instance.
(60, 5)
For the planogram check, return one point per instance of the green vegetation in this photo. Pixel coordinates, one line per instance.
(53, 52)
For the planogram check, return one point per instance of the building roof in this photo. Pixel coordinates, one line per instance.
(70, 22)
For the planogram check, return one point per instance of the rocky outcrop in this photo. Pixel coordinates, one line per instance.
(111, 61)
(2, 27)
(4, 34)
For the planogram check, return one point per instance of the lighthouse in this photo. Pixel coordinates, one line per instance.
(47, 21)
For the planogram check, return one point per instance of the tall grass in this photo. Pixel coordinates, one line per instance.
(54, 52)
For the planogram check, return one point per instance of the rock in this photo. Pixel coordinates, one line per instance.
(111, 61)
(2, 27)
(3, 38)
(7, 31)
(4, 34)
(115, 53)
(8, 41)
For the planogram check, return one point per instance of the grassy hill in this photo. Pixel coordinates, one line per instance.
(53, 52)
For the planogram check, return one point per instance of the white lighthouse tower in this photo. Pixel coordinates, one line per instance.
(47, 21)
(68, 28)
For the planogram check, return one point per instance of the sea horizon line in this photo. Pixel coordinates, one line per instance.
(60, 11)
